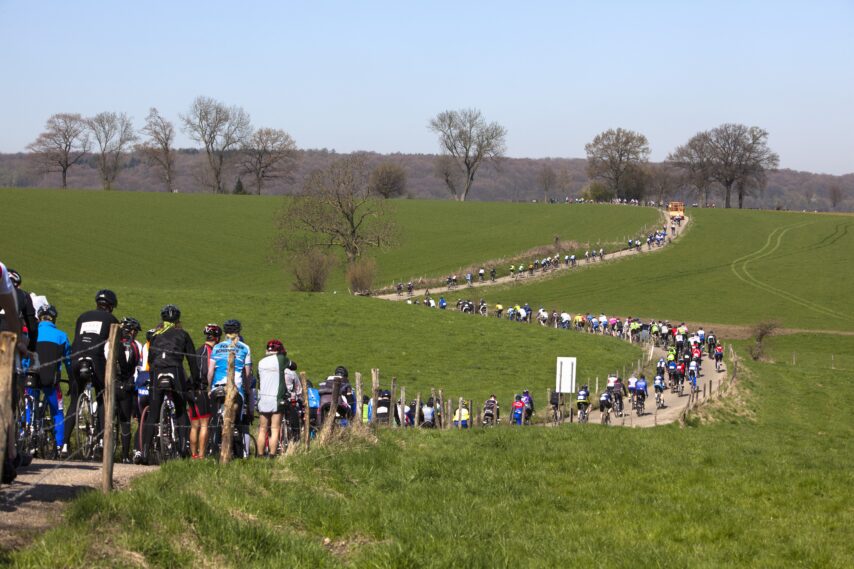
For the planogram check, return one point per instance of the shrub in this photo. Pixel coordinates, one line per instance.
(311, 269)
(360, 275)
(762, 331)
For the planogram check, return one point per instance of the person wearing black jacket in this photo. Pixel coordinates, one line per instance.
(127, 359)
(26, 311)
(89, 362)
(170, 345)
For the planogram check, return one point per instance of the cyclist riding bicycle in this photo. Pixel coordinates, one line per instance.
(128, 357)
(491, 413)
(529, 405)
(641, 392)
(658, 386)
(582, 399)
(170, 346)
(52, 346)
(518, 415)
(711, 342)
(719, 355)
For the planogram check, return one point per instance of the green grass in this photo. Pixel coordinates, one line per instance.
(224, 242)
(771, 491)
(817, 351)
(730, 267)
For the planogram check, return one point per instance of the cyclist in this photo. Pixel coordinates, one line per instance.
(89, 363)
(529, 405)
(428, 413)
(461, 417)
(658, 386)
(492, 274)
(606, 401)
(632, 382)
(170, 345)
(218, 370)
(711, 342)
(499, 310)
(200, 407)
(127, 359)
(719, 356)
(660, 366)
(641, 392)
(272, 394)
(491, 412)
(618, 391)
(26, 312)
(52, 346)
(582, 399)
(518, 410)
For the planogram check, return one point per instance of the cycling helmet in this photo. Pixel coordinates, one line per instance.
(130, 324)
(170, 313)
(292, 365)
(213, 331)
(48, 310)
(341, 371)
(106, 297)
(150, 334)
(231, 327)
(518, 397)
(15, 277)
(585, 388)
(276, 346)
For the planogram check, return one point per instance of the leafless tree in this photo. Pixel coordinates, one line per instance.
(547, 179)
(836, 196)
(157, 149)
(467, 142)
(220, 129)
(695, 161)
(113, 134)
(336, 210)
(663, 181)
(740, 156)
(268, 154)
(614, 156)
(388, 180)
(63, 144)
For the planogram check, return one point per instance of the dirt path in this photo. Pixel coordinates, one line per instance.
(508, 279)
(33, 503)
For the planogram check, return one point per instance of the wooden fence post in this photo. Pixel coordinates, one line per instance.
(417, 410)
(460, 411)
(549, 398)
(471, 414)
(7, 371)
(794, 359)
(402, 406)
(450, 422)
(109, 410)
(375, 387)
(359, 404)
(228, 415)
(597, 386)
(329, 422)
(393, 403)
(306, 427)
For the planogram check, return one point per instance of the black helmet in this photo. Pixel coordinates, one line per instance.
(213, 331)
(341, 371)
(130, 324)
(15, 277)
(231, 326)
(292, 365)
(170, 313)
(48, 310)
(106, 297)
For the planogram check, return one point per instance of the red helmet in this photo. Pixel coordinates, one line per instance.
(213, 331)
(276, 346)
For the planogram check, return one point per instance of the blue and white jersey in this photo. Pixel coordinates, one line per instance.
(219, 358)
(583, 394)
(658, 382)
(640, 386)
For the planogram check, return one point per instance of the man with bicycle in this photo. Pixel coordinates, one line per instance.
(89, 363)
(218, 368)
(170, 346)
(54, 349)
(200, 408)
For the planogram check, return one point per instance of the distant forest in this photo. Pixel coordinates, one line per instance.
(514, 179)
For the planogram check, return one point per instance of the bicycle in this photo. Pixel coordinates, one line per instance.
(606, 416)
(583, 414)
(166, 443)
(659, 400)
(216, 437)
(35, 435)
(86, 418)
(555, 414)
(639, 405)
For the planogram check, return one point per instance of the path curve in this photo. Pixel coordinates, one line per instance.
(538, 275)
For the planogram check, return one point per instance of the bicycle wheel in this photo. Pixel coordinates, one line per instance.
(24, 431)
(167, 447)
(85, 429)
(47, 440)
(215, 435)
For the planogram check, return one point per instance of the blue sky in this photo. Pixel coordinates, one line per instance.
(369, 75)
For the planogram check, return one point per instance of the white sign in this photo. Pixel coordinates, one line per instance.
(565, 376)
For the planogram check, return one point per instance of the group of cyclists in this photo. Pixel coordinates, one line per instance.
(177, 413)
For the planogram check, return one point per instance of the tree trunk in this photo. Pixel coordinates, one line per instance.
(740, 198)
(728, 189)
(65, 178)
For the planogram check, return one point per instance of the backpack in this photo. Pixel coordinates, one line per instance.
(555, 399)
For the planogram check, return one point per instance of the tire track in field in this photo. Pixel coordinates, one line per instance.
(742, 263)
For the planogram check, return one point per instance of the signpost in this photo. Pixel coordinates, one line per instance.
(565, 375)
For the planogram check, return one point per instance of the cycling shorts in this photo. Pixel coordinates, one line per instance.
(199, 406)
(659, 388)
(582, 403)
(604, 405)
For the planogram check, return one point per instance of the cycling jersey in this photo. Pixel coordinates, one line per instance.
(612, 381)
(640, 387)
(658, 383)
(219, 357)
(583, 396)
(53, 346)
(692, 366)
(429, 413)
(272, 389)
(632, 382)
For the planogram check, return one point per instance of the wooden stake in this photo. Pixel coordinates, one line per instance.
(439, 405)
(375, 387)
(460, 411)
(393, 402)
(417, 410)
(7, 371)
(329, 421)
(109, 410)
(359, 404)
(402, 406)
(228, 415)
(306, 428)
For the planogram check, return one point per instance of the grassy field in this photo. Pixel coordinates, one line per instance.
(731, 267)
(224, 242)
(764, 482)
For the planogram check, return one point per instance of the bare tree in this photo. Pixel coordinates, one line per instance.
(158, 150)
(695, 160)
(467, 142)
(740, 156)
(336, 210)
(613, 157)
(663, 181)
(268, 154)
(836, 196)
(63, 144)
(113, 133)
(547, 179)
(220, 129)
(388, 180)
